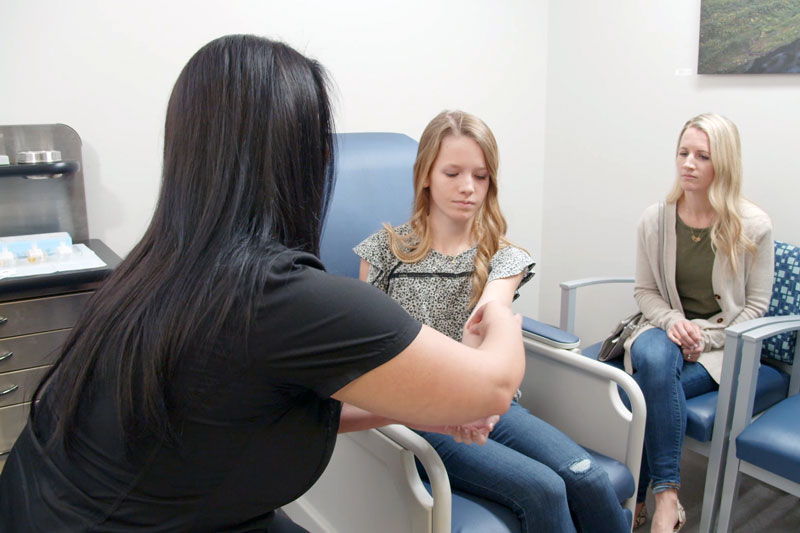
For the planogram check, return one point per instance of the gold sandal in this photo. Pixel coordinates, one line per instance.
(641, 518)
(681, 518)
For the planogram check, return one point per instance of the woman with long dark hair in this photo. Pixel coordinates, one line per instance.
(201, 388)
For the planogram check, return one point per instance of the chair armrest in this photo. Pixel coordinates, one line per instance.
(751, 358)
(372, 480)
(579, 396)
(732, 382)
(568, 289)
(717, 512)
(437, 474)
(547, 334)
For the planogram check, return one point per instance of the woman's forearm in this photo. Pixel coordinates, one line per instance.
(356, 419)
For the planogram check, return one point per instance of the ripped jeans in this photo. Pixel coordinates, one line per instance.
(532, 468)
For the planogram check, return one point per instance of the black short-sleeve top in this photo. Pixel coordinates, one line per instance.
(436, 289)
(254, 415)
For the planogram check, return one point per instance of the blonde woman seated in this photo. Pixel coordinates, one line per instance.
(718, 268)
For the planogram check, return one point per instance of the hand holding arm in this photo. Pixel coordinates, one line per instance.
(436, 380)
(356, 419)
(476, 432)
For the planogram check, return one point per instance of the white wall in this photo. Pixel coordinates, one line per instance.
(614, 109)
(106, 69)
(583, 97)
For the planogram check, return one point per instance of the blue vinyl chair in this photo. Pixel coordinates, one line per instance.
(709, 415)
(372, 482)
(767, 447)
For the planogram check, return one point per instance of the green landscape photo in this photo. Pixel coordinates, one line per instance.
(749, 36)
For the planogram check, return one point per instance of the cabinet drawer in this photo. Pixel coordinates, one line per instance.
(19, 386)
(12, 420)
(27, 351)
(41, 314)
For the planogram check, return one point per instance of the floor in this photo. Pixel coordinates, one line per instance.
(760, 508)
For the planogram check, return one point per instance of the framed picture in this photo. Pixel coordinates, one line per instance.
(749, 37)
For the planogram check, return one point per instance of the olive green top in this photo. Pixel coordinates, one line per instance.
(693, 264)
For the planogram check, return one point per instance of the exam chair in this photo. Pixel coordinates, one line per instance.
(709, 415)
(372, 482)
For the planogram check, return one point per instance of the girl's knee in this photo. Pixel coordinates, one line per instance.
(545, 487)
(554, 494)
(586, 475)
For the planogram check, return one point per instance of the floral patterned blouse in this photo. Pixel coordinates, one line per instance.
(436, 289)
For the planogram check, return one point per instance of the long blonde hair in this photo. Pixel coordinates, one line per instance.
(724, 194)
(488, 227)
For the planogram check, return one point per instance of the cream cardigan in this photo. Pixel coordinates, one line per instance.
(741, 297)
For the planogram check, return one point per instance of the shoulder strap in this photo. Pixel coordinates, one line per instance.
(661, 265)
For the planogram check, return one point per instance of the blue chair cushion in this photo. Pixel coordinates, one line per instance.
(619, 475)
(472, 514)
(772, 387)
(772, 441)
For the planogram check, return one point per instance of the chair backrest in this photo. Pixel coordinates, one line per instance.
(785, 300)
(371, 483)
(377, 189)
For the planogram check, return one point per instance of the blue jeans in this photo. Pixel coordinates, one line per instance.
(532, 468)
(666, 381)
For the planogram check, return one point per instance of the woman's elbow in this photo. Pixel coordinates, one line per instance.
(505, 388)
(502, 401)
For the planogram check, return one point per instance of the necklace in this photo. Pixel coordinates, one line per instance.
(696, 237)
(700, 216)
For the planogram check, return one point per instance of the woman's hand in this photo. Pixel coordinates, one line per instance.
(476, 432)
(488, 313)
(688, 336)
(692, 355)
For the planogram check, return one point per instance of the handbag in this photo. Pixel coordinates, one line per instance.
(614, 345)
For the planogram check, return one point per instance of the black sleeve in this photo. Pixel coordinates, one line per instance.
(320, 332)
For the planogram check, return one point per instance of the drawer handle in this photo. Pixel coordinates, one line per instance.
(3, 320)
(9, 390)
(6, 356)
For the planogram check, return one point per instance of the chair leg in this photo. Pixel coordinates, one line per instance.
(719, 447)
(730, 493)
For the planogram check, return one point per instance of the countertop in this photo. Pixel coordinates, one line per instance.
(62, 282)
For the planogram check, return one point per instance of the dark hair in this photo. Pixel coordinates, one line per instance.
(248, 158)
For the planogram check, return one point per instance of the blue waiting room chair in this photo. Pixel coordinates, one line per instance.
(709, 416)
(767, 447)
(372, 481)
